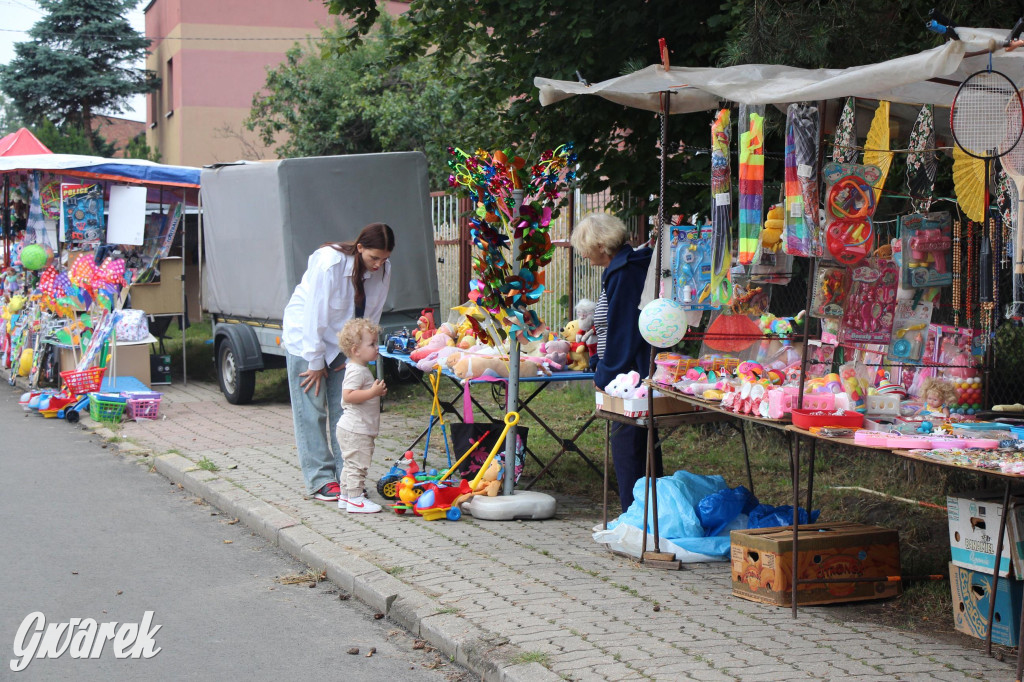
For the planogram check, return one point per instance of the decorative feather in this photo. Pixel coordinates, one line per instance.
(876, 147)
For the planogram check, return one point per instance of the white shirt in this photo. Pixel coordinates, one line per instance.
(325, 300)
(361, 417)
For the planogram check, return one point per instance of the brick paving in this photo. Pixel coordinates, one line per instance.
(542, 591)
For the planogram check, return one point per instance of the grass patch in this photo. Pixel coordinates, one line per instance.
(396, 570)
(310, 575)
(532, 657)
(207, 464)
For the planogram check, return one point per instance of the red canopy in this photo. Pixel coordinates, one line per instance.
(21, 143)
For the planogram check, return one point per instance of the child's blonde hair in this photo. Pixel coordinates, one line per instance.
(351, 335)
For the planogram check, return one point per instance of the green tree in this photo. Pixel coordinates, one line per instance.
(510, 42)
(138, 149)
(330, 98)
(78, 61)
(70, 139)
(513, 41)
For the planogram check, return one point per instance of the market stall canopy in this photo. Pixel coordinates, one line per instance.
(928, 77)
(20, 143)
(135, 171)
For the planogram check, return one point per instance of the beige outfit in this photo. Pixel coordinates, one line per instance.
(359, 425)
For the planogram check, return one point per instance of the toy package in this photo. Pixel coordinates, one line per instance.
(910, 330)
(926, 243)
(691, 266)
(801, 180)
(849, 206)
(830, 288)
(871, 303)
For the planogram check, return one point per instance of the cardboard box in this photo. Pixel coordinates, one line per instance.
(163, 297)
(971, 591)
(132, 360)
(762, 560)
(973, 523)
(637, 407)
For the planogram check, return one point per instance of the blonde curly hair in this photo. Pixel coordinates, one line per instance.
(351, 335)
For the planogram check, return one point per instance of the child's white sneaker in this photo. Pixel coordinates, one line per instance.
(361, 505)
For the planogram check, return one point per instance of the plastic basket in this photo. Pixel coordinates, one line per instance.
(805, 419)
(143, 405)
(82, 381)
(106, 408)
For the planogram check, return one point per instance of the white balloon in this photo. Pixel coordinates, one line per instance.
(663, 322)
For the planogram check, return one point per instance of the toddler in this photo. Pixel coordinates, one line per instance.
(360, 422)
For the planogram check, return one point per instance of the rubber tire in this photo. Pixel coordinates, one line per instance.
(454, 514)
(237, 385)
(387, 483)
(71, 416)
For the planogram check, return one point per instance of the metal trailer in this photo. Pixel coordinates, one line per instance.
(261, 222)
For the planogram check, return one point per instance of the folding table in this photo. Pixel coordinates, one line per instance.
(536, 383)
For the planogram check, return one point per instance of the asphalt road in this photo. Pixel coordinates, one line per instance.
(86, 533)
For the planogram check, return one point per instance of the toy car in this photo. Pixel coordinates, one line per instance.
(400, 342)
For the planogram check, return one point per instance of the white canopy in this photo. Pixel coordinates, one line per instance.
(928, 77)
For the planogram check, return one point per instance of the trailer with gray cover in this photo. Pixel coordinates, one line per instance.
(263, 220)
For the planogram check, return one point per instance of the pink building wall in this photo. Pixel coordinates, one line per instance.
(217, 68)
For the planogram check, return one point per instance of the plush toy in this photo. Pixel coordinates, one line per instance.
(557, 351)
(626, 386)
(472, 365)
(771, 236)
(435, 343)
(571, 330)
(425, 328)
(578, 359)
(585, 332)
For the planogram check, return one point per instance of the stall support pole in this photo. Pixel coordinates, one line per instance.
(512, 404)
(995, 568)
(184, 301)
(607, 448)
(199, 266)
(659, 559)
(7, 221)
(795, 452)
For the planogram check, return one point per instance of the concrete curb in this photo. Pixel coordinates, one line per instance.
(449, 633)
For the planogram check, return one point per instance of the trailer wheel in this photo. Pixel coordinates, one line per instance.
(237, 385)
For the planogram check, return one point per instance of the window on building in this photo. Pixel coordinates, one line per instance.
(169, 84)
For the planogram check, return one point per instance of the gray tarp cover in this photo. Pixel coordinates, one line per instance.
(263, 220)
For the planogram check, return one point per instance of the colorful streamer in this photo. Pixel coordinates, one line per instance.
(802, 235)
(721, 210)
(751, 180)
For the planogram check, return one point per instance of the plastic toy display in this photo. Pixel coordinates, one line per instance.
(927, 240)
(691, 267)
(871, 303)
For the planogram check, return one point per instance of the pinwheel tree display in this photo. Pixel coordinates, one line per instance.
(514, 205)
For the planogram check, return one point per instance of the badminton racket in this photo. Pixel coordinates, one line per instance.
(986, 119)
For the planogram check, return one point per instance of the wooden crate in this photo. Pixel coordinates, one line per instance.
(762, 560)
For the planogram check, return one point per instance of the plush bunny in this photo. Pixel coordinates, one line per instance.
(624, 385)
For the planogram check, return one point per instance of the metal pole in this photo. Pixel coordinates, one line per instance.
(512, 404)
(184, 302)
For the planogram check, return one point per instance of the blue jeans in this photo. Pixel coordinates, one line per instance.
(315, 419)
(629, 458)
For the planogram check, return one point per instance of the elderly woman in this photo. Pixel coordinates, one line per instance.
(601, 238)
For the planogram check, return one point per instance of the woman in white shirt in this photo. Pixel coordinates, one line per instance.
(342, 280)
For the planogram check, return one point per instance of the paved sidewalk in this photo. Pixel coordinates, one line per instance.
(521, 600)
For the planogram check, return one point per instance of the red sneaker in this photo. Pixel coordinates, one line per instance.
(329, 493)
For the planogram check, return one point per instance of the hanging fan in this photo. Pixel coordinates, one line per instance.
(877, 146)
(969, 183)
(921, 163)
(845, 149)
